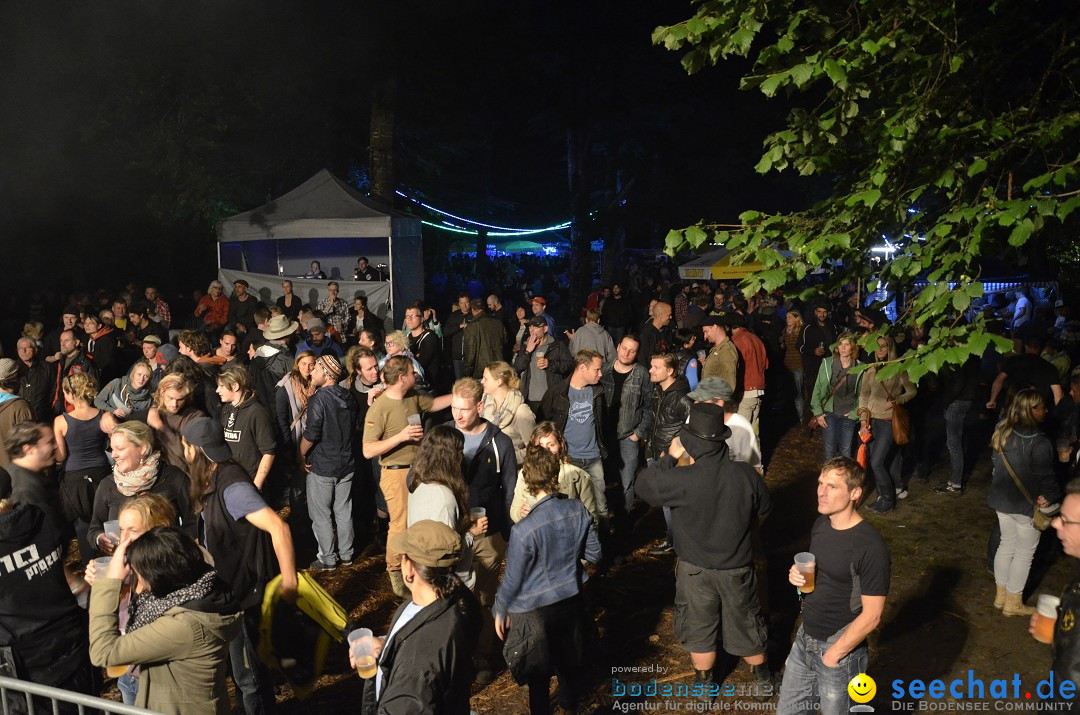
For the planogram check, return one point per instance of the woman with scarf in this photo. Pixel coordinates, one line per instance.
(291, 399)
(127, 395)
(397, 343)
(179, 627)
(505, 408)
(102, 347)
(81, 437)
(138, 469)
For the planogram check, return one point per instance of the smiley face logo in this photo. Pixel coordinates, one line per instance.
(862, 688)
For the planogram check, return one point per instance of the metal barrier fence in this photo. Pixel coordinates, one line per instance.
(21, 691)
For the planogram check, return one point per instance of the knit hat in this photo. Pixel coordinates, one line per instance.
(315, 326)
(431, 543)
(8, 369)
(331, 365)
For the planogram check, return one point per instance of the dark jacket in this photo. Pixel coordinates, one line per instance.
(454, 333)
(331, 426)
(79, 362)
(43, 632)
(35, 488)
(272, 362)
(556, 407)
(814, 336)
(1066, 664)
(560, 364)
(483, 340)
(491, 475)
(107, 354)
(427, 349)
(369, 322)
(714, 505)
(171, 485)
(634, 415)
(427, 665)
(653, 342)
(669, 409)
(617, 312)
(250, 433)
(34, 384)
(1032, 458)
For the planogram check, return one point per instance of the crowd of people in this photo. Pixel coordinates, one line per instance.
(492, 457)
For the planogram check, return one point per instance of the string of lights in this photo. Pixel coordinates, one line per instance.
(499, 230)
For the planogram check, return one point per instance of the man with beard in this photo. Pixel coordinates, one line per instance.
(140, 325)
(34, 382)
(817, 339)
(160, 306)
(72, 361)
(655, 336)
(273, 360)
(335, 309)
(669, 405)
(242, 305)
(69, 319)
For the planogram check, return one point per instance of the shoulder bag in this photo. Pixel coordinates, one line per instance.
(1039, 519)
(901, 422)
(813, 423)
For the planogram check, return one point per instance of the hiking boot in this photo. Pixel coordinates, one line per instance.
(397, 584)
(948, 489)
(766, 684)
(999, 597)
(1014, 605)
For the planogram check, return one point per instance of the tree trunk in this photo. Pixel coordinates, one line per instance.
(383, 110)
(577, 158)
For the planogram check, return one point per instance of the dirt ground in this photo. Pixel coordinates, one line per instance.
(939, 620)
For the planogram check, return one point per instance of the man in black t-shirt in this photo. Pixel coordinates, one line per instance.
(1028, 369)
(846, 602)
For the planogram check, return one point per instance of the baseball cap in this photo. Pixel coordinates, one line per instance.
(241, 282)
(536, 322)
(428, 542)
(538, 299)
(209, 436)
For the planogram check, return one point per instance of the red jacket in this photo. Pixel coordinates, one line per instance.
(754, 359)
(213, 311)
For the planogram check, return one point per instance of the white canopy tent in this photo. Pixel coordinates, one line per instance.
(325, 219)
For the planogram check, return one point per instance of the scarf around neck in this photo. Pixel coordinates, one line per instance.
(139, 479)
(145, 608)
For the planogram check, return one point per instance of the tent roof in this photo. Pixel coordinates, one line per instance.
(321, 207)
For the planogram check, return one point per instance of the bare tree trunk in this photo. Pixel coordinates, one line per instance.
(383, 110)
(581, 263)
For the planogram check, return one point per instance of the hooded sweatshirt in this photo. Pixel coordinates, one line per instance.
(249, 432)
(119, 394)
(330, 427)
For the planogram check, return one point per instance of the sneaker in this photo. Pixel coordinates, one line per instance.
(901, 493)
(346, 562)
(317, 565)
(948, 489)
(662, 550)
(881, 506)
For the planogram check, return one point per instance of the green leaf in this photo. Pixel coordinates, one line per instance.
(977, 167)
(868, 198)
(1021, 233)
(772, 83)
(749, 216)
(741, 40)
(870, 47)
(836, 73)
(801, 74)
(695, 236)
(674, 240)
(955, 64)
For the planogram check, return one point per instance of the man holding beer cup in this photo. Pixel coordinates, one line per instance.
(842, 601)
(1066, 663)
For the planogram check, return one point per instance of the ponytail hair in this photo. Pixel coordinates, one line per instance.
(446, 584)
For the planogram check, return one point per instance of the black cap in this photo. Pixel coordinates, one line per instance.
(536, 322)
(241, 282)
(208, 435)
(721, 320)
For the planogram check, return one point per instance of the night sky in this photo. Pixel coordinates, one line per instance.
(127, 126)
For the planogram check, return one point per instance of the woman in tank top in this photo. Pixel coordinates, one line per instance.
(81, 438)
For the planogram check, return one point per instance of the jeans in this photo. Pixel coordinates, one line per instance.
(1019, 539)
(884, 460)
(800, 398)
(128, 685)
(252, 678)
(839, 433)
(329, 504)
(807, 680)
(629, 451)
(595, 468)
(955, 416)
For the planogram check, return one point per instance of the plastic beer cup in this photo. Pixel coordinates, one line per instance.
(112, 530)
(806, 563)
(360, 646)
(1046, 616)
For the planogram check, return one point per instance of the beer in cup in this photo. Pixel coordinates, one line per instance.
(360, 646)
(807, 566)
(1064, 449)
(1045, 617)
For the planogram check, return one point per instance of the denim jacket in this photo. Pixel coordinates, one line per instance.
(543, 559)
(634, 418)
